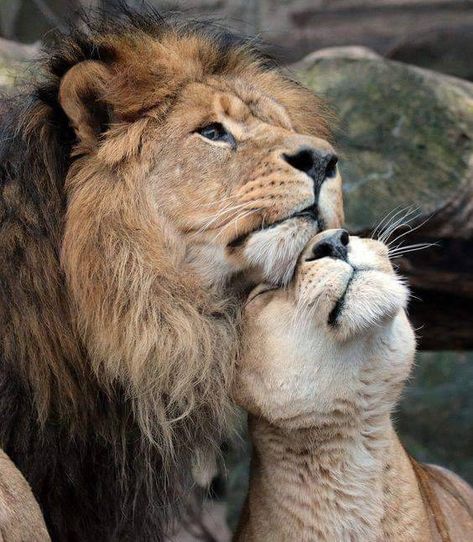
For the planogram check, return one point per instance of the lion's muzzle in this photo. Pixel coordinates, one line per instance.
(318, 164)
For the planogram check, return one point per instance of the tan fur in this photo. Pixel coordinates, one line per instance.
(152, 209)
(20, 517)
(327, 464)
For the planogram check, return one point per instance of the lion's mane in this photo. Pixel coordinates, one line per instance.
(108, 455)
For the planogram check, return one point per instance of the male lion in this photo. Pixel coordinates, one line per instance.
(323, 363)
(148, 177)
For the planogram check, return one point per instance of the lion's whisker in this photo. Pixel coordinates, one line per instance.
(215, 200)
(220, 215)
(234, 221)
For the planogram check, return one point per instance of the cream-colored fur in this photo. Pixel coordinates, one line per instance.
(21, 519)
(320, 388)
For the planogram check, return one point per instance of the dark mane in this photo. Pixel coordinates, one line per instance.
(77, 443)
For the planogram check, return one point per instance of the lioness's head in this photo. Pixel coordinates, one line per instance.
(335, 342)
(196, 167)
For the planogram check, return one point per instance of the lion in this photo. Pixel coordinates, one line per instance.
(323, 364)
(150, 176)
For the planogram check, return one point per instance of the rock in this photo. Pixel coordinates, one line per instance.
(350, 51)
(406, 142)
(14, 58)
(447, 49)
(434, 417)
(405, 136)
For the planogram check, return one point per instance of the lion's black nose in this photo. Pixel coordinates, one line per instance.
(334, 245)
(318, 164)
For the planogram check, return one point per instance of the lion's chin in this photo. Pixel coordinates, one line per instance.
(275, 250)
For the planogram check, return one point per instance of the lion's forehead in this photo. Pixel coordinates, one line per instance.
(152, 71)
(237, 102)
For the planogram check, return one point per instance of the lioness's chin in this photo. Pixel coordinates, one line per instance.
(276, 250)
(349, 290)
(370, 298)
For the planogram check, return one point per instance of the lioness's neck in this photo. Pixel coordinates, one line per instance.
(345, 480)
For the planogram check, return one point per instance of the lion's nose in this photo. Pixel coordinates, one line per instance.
(318, 164)
(334, 245)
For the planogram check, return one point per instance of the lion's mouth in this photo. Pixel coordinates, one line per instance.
(311, 212)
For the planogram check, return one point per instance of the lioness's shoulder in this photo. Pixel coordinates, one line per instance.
(21, 519)
(455, 497)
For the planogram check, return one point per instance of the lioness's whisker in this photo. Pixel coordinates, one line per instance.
(411, 229)
(400, 251)
(389, 216)
(404, 220)
(387, 221)
(402, 217)
(402, 247)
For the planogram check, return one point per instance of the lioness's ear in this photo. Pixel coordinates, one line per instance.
(83, 97)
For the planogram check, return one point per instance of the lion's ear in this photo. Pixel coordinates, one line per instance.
(83, 97)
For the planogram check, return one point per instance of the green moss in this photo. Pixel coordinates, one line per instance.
(405, 136)
(9, 72)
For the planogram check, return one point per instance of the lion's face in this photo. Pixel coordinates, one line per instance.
(235, 166)
(337, 334)
(239, 184)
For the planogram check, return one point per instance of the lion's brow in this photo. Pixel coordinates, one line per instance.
(257, 105)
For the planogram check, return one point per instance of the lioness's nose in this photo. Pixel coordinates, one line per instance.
(318, 164)
(334, 245)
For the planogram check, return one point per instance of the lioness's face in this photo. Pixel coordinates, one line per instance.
(244, 190)
(336, 332)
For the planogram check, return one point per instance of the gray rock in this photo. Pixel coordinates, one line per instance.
(14, 61)
(405, 135)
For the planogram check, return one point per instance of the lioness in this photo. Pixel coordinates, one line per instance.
(323, 364)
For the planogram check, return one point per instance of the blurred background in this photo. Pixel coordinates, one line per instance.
(396, 73)
(431, 33)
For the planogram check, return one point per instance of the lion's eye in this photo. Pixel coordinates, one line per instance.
(217, 132)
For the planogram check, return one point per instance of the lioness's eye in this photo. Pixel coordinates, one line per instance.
(217, 132)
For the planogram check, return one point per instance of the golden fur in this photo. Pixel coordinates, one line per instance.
(152, 209)
(320, 387)
(129, 239)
